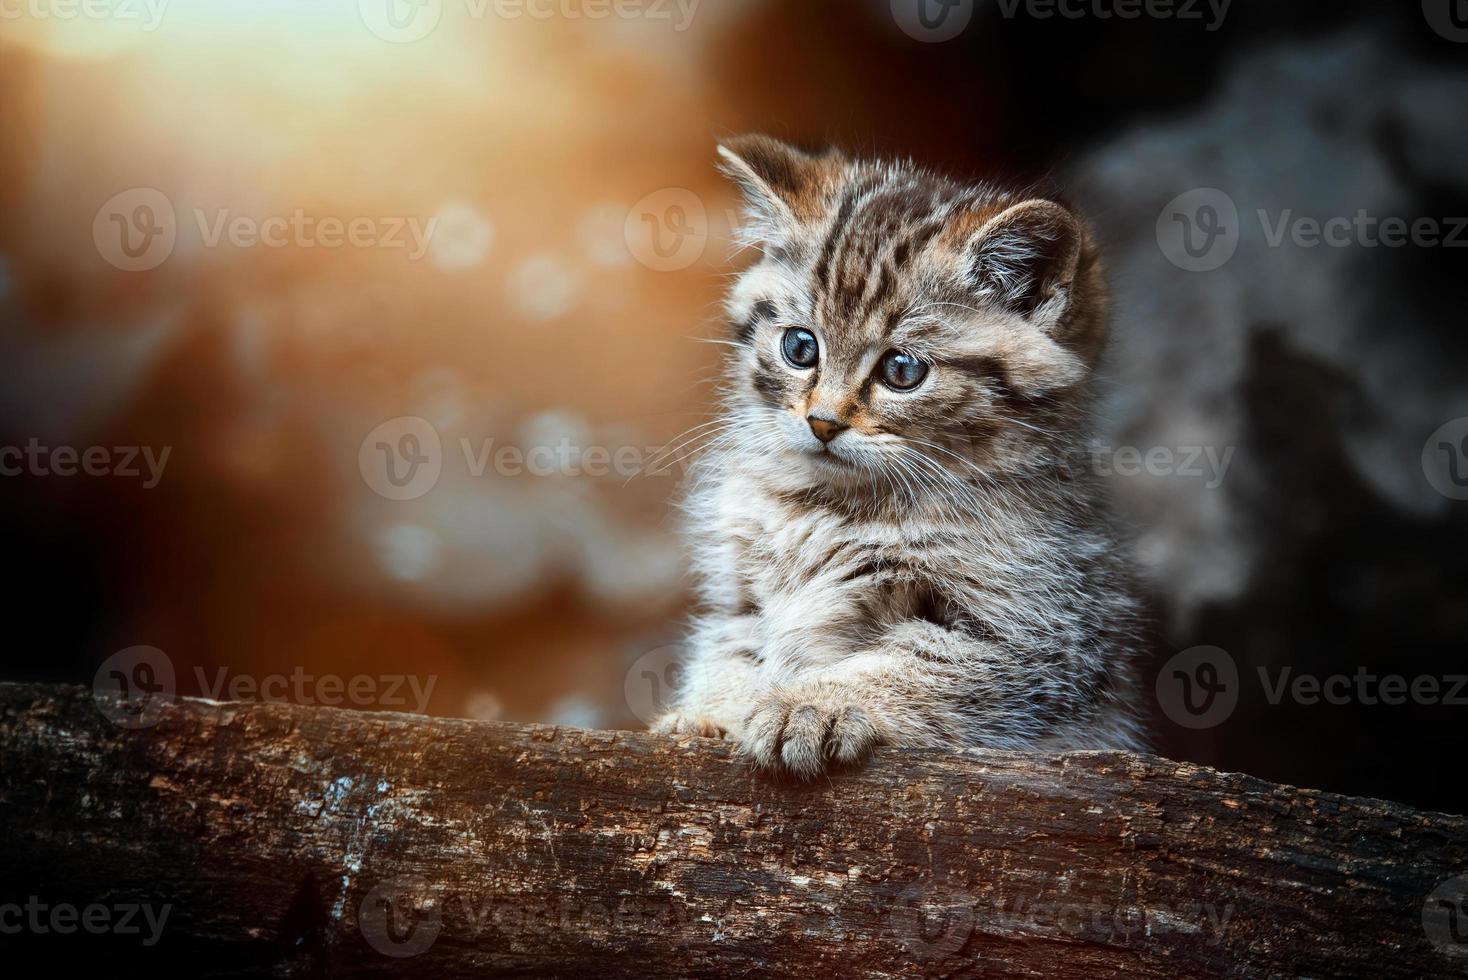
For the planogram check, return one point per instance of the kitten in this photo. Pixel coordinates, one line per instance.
(892, 544)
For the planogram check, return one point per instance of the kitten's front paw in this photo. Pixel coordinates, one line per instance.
(805, 734)
(677, 723)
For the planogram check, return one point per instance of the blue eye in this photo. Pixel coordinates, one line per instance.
(800, 348)
(902, 372)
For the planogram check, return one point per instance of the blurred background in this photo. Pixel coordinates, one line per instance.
(311, 277)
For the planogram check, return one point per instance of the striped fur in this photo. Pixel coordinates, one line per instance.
(940, 573)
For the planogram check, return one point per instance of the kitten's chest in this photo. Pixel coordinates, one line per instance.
(799, 566)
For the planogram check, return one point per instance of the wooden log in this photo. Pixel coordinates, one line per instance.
(281, 840)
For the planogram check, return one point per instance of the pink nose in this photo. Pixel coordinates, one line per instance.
(825, 429)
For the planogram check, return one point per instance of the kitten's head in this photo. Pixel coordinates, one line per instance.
(895, 314)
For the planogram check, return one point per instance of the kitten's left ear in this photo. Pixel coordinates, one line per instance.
(1025, 259)
(783, 187)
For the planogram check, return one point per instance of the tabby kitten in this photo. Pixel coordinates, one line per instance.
(894, 538)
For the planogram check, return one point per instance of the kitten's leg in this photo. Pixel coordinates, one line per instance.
(720, 680)
(920, 685)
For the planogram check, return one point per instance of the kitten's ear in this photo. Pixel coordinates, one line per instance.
(783, 187)
(1026, 258)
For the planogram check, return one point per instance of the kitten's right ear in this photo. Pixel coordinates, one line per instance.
(783, 187)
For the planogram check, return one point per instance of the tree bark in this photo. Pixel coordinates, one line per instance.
(305, 841)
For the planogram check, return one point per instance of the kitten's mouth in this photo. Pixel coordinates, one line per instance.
(826, 456)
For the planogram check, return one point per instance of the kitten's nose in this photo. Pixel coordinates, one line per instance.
(825, 429)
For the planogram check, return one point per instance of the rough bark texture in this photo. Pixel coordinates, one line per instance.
(296, 841)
